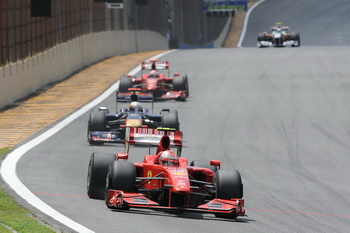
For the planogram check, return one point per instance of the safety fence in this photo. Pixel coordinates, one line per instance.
(23, 36)
(192, 27)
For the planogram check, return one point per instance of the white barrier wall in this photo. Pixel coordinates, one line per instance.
(19, 80)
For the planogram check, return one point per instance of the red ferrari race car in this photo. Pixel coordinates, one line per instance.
(160, 84)
(165, 181)
(280, 36)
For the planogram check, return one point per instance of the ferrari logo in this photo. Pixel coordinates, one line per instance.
(149, 174)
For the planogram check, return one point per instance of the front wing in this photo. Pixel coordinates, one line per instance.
(173, 95)
(270, 44)
(148, 95)
(119, 199)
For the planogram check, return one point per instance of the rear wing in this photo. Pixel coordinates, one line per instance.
(281, 26)
(142, 96)
(152, 137)
(155, 65)
(135, 94)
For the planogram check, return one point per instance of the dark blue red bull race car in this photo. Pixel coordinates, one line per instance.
(106, 127)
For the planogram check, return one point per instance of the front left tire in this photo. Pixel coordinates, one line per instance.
(170, 120)
(228, 185)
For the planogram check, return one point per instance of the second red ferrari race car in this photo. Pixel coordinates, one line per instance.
(165, 181)
(157, 82)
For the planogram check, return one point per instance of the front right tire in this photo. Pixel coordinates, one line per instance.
(97, 172)
(121, 176)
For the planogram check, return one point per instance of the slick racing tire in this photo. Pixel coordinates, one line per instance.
(124, 84)
(186, 84)
(121, 176)
(261, 37)
(97, 172)
(179, 83)
(170, 120)
(203, 164)
(98, 121)
(228, 185)
(296, 37)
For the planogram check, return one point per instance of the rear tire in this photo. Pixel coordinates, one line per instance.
(124, 84)
(170, 120)
(97, 172)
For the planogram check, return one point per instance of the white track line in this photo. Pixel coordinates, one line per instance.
(8, 166)
(246, 18)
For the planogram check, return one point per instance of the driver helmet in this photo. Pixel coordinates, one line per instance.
(278, 29)
(168, 158)
(135, 107)
(153, 74)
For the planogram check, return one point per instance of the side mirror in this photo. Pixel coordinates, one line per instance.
(123, 156)
(103, 109)
(176, 74)
(216, 163)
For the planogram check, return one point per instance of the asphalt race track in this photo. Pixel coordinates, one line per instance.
(281, 116)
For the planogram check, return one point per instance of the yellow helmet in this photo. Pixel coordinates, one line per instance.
(135, 107)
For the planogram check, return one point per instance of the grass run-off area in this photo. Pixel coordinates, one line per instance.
(14, 218)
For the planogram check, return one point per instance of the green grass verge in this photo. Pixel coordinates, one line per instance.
(3, 151)
(15, 218)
